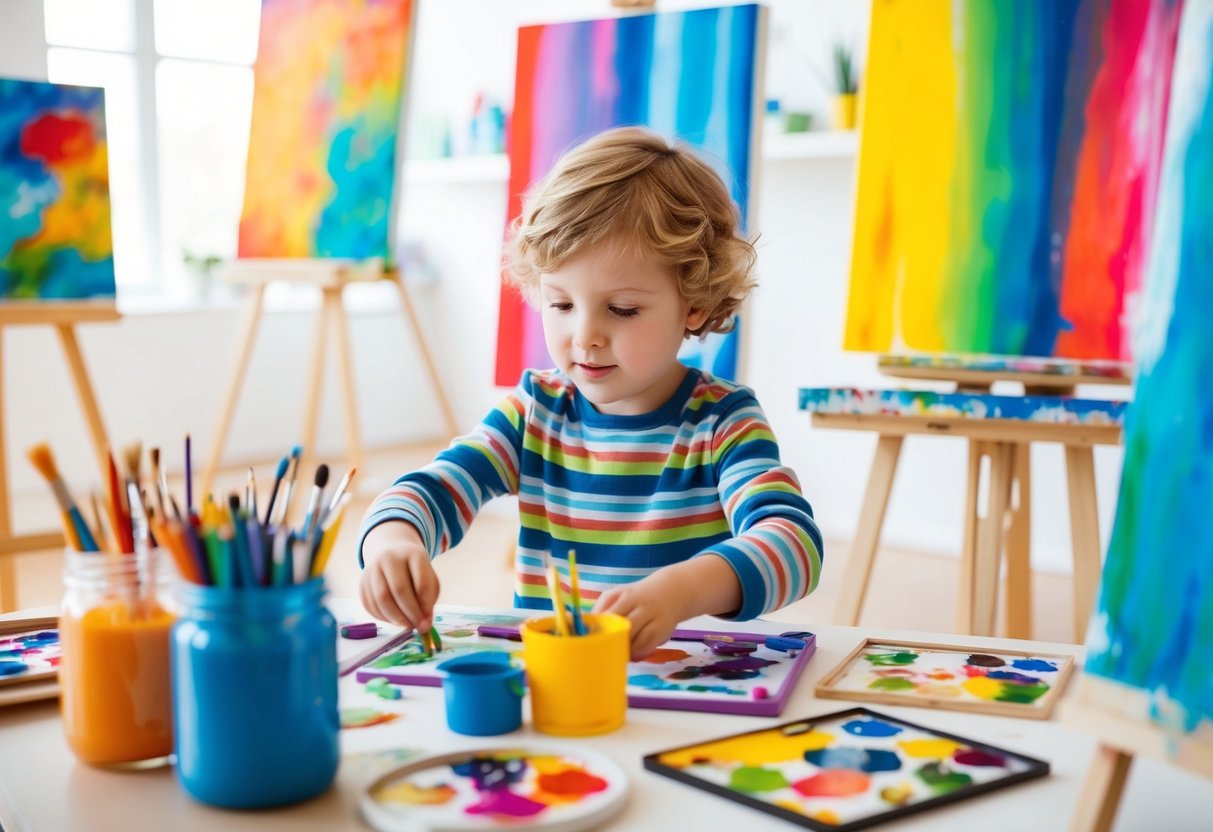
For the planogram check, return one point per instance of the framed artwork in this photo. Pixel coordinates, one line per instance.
(534, 786)
(329, 83)
(1007, 175)
(1002, 682)
(845, 771)
(29, 659)
(55, 237)
(1056, 410)
(696, 670)
(691, 75)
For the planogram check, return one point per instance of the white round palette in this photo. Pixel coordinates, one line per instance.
(557, 788)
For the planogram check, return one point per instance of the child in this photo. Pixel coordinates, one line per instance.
(666, 481)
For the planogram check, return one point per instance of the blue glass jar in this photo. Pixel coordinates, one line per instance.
(254, 680)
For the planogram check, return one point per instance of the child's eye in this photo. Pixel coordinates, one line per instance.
(563, 307)
(625, 312)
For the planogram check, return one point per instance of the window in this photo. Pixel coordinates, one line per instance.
(179, 90)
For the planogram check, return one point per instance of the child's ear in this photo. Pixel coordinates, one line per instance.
(696, 319)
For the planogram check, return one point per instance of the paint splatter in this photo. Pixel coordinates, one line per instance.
(895, 671)
(743, 667)
(888, 659)
(897, 795)
(858, 759)
(977, 757)
(1038, 665)
(993, 690)
(665, 655)
(365, 717)
(943, 780)
(932, 749)
(462, 632)
(896, 683)
(382, 688)
(648, 681)
(410, 794)
(985, 660)
(871, 728)
(834, 782)
(756, 779)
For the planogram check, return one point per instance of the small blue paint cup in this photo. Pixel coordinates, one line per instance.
(254, 682)
(483, 694)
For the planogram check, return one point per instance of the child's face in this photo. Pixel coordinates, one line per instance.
(614, 322)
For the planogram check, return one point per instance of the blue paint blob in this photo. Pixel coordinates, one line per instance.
(856, 759)
(650, 681)
(871, 728)
(12, 668)
(1039, 665)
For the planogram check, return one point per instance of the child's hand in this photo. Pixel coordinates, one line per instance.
(648, 605)
(398, 583)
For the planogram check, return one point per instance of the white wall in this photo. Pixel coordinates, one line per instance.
(159, 375)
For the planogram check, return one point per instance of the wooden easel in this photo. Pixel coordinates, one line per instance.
(63, 317)
(331, 278)
(1004, 522)
(1097, 706)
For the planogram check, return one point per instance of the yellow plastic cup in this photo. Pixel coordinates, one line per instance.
(579, 684)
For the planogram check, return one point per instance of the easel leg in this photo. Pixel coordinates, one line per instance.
(448, 415)
(1084, 534)
(1101, 791)
(311, 410)
(988, 554)
(1018, 587)
(240, 359)
(88, 402)
(345, 375)
(867, 536)
(8, 567)
(972, 526)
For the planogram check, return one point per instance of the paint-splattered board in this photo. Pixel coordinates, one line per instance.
(846, 770)
(1002, 682)
(556, 788)
(684, 674)
(1053, 410)
(29, 659)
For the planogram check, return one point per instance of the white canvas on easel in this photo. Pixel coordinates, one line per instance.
(322, 191)
(56, 252)
(1147, 686)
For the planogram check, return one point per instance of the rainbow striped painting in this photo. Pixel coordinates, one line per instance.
(1008, 170)
(321, 175)
(55, 237)
(1153, 625)
(690, 75)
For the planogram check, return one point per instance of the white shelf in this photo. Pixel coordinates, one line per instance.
(821, 144)
(495, 168)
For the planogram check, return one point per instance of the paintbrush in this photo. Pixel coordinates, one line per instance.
(337, 495)
(562, 624)
(296, 454)
(189, 475)
(119, 520)
(575, 591)
(159, 484)
(311, 518)
(104, 539)
(132, 455)
(250, 494)
(278, 475)
(74, 528)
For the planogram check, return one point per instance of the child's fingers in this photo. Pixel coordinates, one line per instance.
(425, 588)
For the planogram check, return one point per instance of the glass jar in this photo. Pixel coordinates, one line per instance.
(114, 626)
(254, 674)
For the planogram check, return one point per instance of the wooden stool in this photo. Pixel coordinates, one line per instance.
(1005, 518)
(331, 277)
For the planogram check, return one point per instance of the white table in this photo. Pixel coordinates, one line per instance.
(42, 787)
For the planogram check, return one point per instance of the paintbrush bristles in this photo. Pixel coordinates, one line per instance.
(42, 458)
(132, 455)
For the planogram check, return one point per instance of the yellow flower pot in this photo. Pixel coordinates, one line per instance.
(843, 109)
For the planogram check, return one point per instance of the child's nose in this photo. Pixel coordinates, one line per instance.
(588, 333)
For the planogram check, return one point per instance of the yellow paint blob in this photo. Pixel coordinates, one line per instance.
(983, 688)
(929, 749)
(767, 748)
(942, 691)
(408, 794)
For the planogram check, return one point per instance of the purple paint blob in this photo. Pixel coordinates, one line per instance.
(871, 728)
(505, 802)
(977, 757)
(489, 774)
(1012, 676)
(985, 660)
(1039, 665)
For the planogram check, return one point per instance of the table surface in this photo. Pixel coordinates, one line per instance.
(43, 787)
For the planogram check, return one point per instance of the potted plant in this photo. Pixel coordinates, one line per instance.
(845, 87)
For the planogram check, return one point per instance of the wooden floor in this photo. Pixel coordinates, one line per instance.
(909, 590)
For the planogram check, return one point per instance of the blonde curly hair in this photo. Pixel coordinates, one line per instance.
(633, 188)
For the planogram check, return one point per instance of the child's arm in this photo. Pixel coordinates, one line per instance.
(398, 583)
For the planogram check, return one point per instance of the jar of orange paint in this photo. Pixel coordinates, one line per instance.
(114, 673)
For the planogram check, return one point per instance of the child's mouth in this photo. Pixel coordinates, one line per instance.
(595, 371)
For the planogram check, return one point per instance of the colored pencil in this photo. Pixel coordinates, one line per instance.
(278, 475)
(562, 624)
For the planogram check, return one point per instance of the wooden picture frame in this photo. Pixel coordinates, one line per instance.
(28, 687)
(1030, 703)
(834, 772)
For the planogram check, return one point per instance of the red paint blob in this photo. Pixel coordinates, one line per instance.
(834, 782)
(663, 655)
(55, 139)
(571, 783)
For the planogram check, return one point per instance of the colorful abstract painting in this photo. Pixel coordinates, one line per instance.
(329, 81)
(696, 670)
(31, 654)
(1057, 410)
(939, 676)
(55, 237)
(689, 75)
(1008, 172)
(533, 787)
(1152, 632)
(846, 770)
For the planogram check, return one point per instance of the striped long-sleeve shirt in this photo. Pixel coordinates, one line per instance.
(630, 494)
